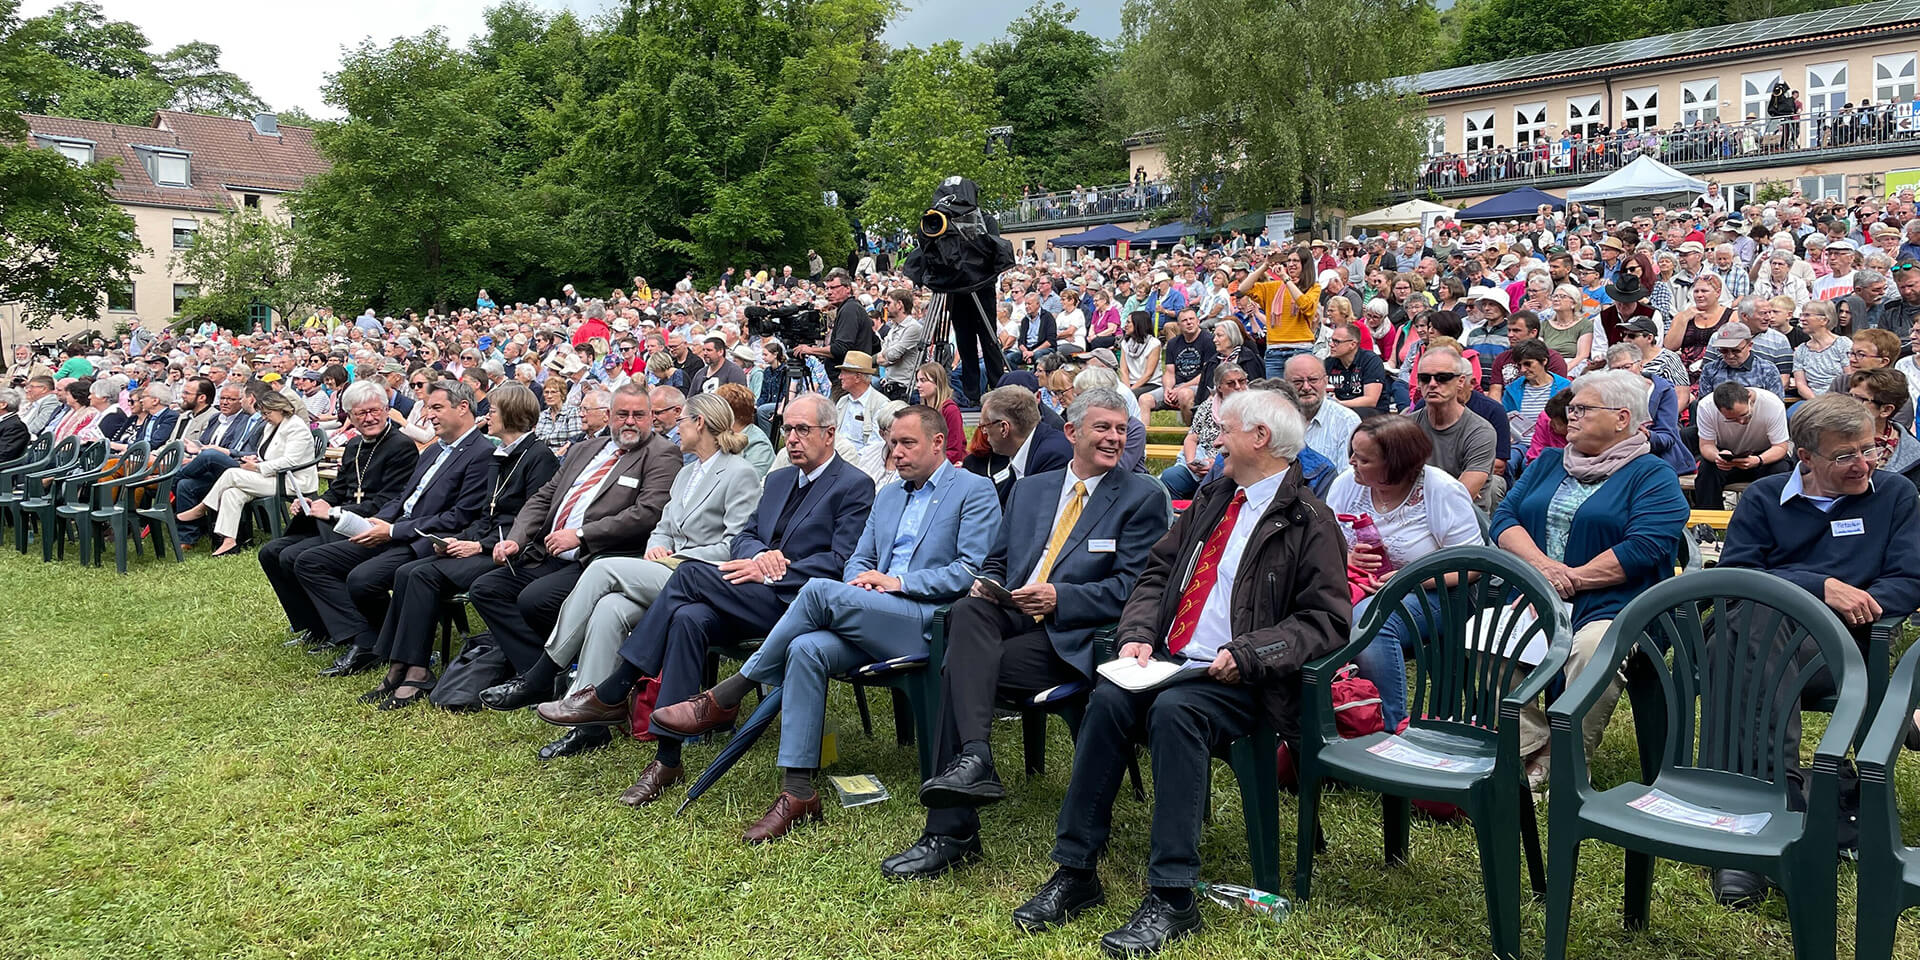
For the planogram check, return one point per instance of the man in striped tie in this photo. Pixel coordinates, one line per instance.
(605, 499)
(1070, 546)
(1249, 585)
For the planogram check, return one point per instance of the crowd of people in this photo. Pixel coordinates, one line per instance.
(622, 484)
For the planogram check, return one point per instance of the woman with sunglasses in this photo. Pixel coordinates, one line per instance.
(1601, 520)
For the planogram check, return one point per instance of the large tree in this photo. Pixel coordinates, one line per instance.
(1290, 103)
(103, 71)
(62, 238)
(244, 258)
(933, 126)
(1053, 82)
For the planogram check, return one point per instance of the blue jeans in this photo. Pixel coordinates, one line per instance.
(1277, 358)
(1384, 661)
(1180, 481)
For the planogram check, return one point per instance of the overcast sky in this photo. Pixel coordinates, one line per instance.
(286, 49)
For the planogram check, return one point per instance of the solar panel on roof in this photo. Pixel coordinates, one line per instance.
(1668, 45)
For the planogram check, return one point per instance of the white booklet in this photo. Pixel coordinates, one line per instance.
(1130, 676)
(350, 525)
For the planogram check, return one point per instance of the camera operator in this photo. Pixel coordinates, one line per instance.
(902, 345)
(852, 329)
(26, 366)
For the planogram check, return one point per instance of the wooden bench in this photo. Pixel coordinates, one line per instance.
(1717, 519)
(1163, 451)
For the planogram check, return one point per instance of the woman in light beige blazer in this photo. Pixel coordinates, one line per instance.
(288, 442)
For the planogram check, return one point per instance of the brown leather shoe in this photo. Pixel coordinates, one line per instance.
(694, 716)
(653, 782)
(787, 811)
(583, 709)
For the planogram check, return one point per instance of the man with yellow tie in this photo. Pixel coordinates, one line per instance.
(1070, 545)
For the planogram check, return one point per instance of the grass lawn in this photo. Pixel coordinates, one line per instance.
(175, 783)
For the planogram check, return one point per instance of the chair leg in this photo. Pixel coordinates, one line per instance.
(1563, 866)
(1878, 917)
(866, 716)
(925, 704)
(1809, 886)
(123, 530)
(1530, 838)
(1033, 741)
(1255, 766)
(1396, 826)
(903, 723)
(1140, 789)
(1500, 870)
(1309, 825)
(1637, 906)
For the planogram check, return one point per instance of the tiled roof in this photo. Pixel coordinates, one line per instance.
(224, 153)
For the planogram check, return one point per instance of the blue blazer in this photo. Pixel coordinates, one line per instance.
(1663, 408)
(825, 527)
(955, 536)
(457, 497)
(1129, 509)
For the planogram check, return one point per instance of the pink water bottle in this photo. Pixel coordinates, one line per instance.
(1367, 534)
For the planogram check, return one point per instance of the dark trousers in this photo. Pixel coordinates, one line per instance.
(975, 335)
(1710, 484)
(191, 486)
(277, 559)
(697, 605)
(348, 585)
(989, 650)
(419, 589)
(521, 602)
(1182, 724)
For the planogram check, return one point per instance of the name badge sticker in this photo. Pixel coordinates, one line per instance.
(627, 481)
(1101, 546)
(1849, 528)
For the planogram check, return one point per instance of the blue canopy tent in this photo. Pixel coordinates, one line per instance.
(1513, 205)
(1104, 235)
(1166, 233)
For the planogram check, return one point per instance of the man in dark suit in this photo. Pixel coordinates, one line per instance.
(1022, 446)
(1070, 546)
(232, 435)
(348, 581)
(153, 422)
(605, 500)
(808, 524)
(1039, 336)
(14, 435)
(374, 469)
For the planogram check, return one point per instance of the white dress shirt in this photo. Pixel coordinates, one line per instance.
(577, 517)
(1215, 629)
(426, 479)
(1066, 494)
(1018, 462)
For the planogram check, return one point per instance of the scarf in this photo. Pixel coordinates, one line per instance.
(1602, 465)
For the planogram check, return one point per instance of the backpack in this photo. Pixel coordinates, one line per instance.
(480, 665)
(1356, 713)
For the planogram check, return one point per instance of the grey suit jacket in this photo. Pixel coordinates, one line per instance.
(701, 520)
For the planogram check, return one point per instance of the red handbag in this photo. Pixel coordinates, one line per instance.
(640, 704)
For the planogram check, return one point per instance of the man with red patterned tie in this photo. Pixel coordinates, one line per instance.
(1248, 586)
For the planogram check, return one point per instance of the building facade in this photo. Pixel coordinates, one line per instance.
(176, 176)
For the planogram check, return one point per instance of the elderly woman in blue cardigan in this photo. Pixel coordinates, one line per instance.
(1601, 519)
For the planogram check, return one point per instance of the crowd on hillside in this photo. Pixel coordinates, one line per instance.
(621, 482)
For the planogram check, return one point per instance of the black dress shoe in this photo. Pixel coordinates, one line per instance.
(930, 856)
(577, 740)
(1153, 926)
(969, 781)
(1063, 897)
(355, 660)
(515, 694)
(1739, 889)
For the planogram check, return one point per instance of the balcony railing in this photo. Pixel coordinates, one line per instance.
(1090, 205)
(1879, 129)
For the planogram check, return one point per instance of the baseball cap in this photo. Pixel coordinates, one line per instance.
(1641, 325)
(1731, 335)
(1693, 246)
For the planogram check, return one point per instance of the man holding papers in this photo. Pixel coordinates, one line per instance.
(1251, 580)
(1069, 549)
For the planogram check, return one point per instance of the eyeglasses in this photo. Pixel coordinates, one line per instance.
(805, 429)
(1442, 378)
(1337, 341)
(1306, 381)
(1847, 459)
(1858, 355)
(1576, 411)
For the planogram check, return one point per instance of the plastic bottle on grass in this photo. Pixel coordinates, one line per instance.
(1270, 907)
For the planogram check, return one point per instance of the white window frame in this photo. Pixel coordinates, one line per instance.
(1700, 100)
(188, 226)
(1529, 119)
(1894, 77)
(1816, 187)
(1827, 95)
(159, 164)
(183, 292)
(1436, 135)
(1738, 194)
(1639, 108)
(1479, 135)
(1755, 88)
(1583, 115)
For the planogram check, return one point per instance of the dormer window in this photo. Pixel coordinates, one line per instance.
(167, 168)
(79, 151)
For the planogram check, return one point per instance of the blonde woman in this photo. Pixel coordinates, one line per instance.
(287, 441)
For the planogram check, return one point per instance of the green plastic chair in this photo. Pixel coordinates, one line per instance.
(110, 509)
(32, 486)
(78, 502)
(1711, 700)
(1462, 744)
(1889, 870)
(42, 506)
(272, 510)
(36, 456)
(159, 514)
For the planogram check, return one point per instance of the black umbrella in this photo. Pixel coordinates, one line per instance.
(737, 746)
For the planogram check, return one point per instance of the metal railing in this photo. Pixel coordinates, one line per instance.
(1700, 143)
(1111, 200)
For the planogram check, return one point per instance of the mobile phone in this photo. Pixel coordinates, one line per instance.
(1724, 455)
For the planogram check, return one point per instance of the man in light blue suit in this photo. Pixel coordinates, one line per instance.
(925, 538)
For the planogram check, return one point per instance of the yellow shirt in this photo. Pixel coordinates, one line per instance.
(1289, 318)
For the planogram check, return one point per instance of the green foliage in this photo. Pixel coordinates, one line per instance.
(1290, 102)
(933, 126)
(62, 240)
(245, 258)
(192, 74)
(92, 68)
(419, 206)
(1052, 81)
